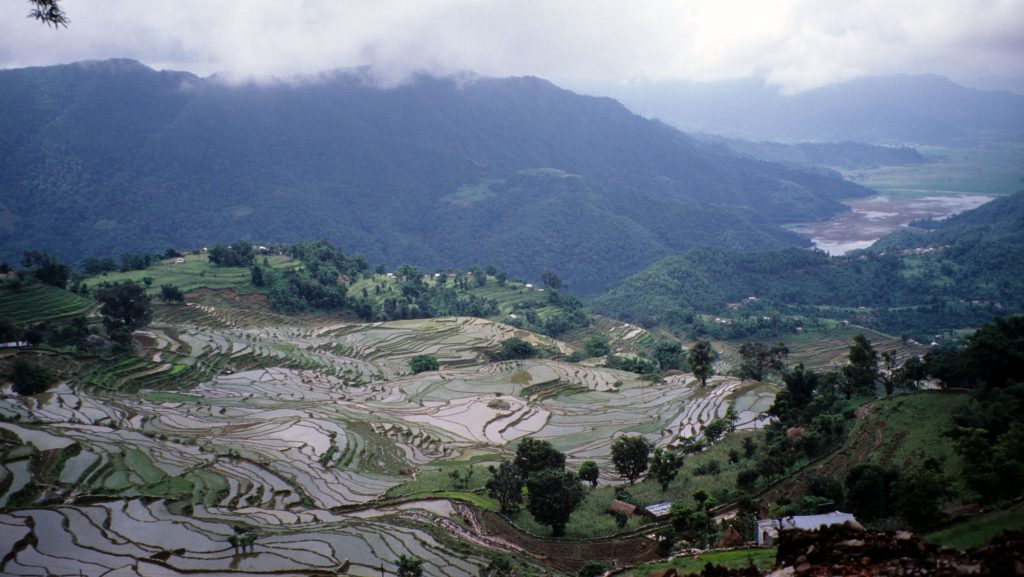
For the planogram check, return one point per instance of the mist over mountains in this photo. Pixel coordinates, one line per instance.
(924, 109)
(107, 157)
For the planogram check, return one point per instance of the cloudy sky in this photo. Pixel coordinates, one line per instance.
(796, 44)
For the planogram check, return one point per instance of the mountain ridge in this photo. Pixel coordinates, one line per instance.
(112, 156)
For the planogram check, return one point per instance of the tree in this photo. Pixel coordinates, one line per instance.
(861, 371)
(668, 354)
(589, 472)
(516, 348)
(506, 485)
(749, 447)
(30, 378)
(421, 363)
(759, 358)
(596, 347)
(125, 305)
(869, 493)
(715, 429)
(554, 495)
(241, 253)
(700, 357)
(409, 566)
(534, 455)
(170, 293)
(591, 569)
(919, 494)
(912, 373)
(995, 352)
(630, 454)
(665, 465)
(48, 12)
(551, 280)
(889, 372)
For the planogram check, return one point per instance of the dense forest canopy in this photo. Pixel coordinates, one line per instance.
(103, 158)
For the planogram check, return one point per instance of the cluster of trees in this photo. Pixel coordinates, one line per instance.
(554, 493)
(568, 314)
(45, 268)
(874, 493)
(631, 456)
(318, 284)
(239, 253)
(93, 266)
(812, 415)
(989, 431)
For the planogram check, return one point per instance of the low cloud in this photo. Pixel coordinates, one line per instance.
(797, 44)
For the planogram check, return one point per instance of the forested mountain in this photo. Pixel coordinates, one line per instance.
(106, 157)
(967, 270)
(878, 109)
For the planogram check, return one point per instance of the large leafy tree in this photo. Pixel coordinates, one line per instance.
(125, 305)
(554, 495)
(869, 491)
(668, 354)
(535, 455)
(589, 472)
(516, 348)
(861, 370)
(665, 465)
(700, 357)
(506, 485)
(30, 378)
(422, 363)
(759, 358)
(995, 352)
(631, 454)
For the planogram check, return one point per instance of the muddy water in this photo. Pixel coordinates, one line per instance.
(872, 218)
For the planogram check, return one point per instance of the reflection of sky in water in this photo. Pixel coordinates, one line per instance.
(876, 215)
(836, 248)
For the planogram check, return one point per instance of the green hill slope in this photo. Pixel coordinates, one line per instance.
(960, 275)
(109, 157)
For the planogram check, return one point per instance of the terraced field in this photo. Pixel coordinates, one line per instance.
(234, 423)
(40, 302)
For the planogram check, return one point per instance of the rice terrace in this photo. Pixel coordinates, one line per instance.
(231, 438)
(486, 289)
(311, 435)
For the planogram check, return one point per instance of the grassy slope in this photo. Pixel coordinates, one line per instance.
(196, 272)
(763, 559)
(980, 530)
(41, 302)
(896, 432)
(592, 519)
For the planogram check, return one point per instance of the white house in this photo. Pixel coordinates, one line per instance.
(768, 529)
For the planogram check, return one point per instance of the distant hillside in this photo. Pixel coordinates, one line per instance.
(881, 109)
(108, 157)
(962, 274)
(844, 155)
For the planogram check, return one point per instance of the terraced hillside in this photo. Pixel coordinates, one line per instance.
(237, 440)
